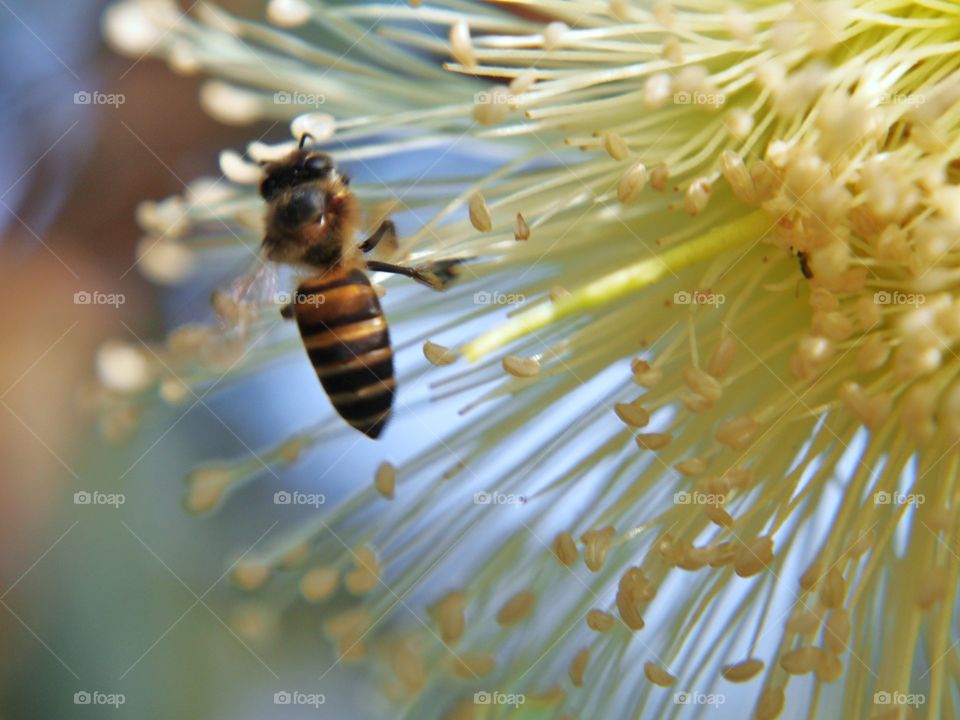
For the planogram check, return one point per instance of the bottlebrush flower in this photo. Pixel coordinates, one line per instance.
(728, 403)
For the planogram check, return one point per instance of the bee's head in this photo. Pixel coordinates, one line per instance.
(300, 166)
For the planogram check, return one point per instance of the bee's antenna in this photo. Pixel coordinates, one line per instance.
(303, 139)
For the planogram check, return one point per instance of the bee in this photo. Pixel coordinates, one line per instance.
(312, 219)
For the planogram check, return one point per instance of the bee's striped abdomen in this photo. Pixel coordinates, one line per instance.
(348, 342)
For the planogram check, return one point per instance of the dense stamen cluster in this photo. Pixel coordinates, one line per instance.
(733, 372)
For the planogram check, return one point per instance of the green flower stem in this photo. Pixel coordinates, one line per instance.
(747, 229)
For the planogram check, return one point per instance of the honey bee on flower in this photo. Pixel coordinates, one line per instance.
(699, 428)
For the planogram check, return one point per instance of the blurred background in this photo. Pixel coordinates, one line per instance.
(123, 600)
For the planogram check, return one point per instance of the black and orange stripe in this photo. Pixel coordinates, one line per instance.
(347, 340)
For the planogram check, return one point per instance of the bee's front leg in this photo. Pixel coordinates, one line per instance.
(388, 232)
(437, 274)
(286, 312)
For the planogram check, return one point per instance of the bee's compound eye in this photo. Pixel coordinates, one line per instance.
(318, 165)
(268, 188)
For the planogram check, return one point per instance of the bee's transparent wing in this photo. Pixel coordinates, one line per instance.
(249, 297)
